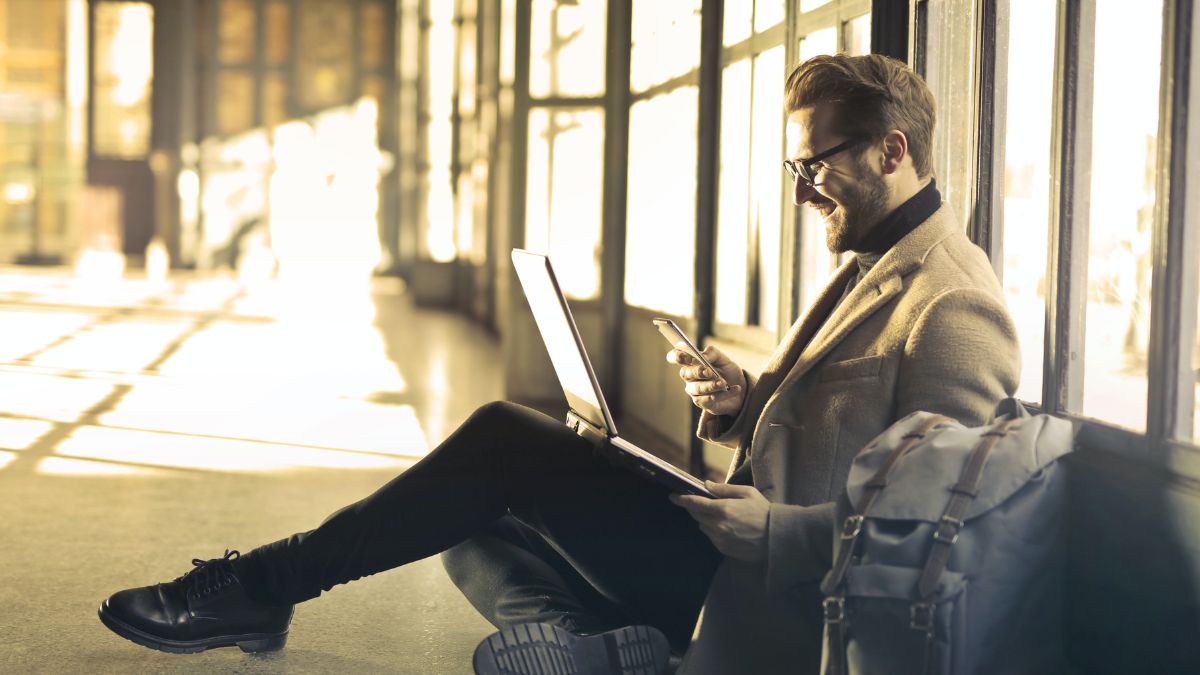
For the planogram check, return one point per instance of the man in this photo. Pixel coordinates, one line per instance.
(538, 528)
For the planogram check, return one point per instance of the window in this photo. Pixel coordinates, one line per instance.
(124, 70)
(564, 182)
(661, 190)
(1121, 207)
(1025, 210)
(439, 240)
(750, 183)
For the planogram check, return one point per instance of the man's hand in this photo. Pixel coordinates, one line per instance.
(719, 393)
(735, 522)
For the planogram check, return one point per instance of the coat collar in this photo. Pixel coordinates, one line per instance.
(882, 283)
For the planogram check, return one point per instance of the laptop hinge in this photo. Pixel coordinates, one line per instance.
(585, 428)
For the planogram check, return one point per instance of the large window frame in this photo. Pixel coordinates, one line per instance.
(1169, 439)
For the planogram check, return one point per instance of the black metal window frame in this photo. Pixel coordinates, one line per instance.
(1169, 440)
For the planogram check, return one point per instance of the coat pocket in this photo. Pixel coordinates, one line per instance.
(866, 366)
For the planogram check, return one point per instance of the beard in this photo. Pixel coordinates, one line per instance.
(848, 220)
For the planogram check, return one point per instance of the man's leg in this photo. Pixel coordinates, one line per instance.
(616, 527)
(504, 459)
(512, 575)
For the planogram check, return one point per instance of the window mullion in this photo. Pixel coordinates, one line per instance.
(1173, 289)
(1062, 388)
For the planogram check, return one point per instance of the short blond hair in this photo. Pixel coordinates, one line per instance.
(873, 94)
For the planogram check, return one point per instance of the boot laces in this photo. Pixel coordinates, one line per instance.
(209, 576)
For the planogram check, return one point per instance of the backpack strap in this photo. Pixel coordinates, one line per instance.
(946, 533)
(852, 526)
(832, 586)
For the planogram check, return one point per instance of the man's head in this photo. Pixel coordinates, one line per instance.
(881, 116)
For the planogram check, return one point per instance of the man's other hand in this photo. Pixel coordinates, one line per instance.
(735, 522)
(719, 393)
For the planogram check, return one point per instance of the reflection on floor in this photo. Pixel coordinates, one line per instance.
(143, 424)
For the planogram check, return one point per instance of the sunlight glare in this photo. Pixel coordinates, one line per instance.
(6, 458)
(190, 452)
(19, 434)
(69, 466)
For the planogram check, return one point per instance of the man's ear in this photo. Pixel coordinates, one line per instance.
(895, 149)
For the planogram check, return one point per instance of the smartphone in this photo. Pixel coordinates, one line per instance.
(674, 335)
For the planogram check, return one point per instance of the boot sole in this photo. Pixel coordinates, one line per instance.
(543, 649)
(249, 642)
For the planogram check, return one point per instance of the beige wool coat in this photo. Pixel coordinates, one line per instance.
(925, 329)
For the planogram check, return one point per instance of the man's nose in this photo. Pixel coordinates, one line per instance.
(802, 191)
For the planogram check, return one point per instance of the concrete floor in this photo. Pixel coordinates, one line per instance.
(143, 424)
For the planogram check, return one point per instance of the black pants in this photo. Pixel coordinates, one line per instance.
(535, 526)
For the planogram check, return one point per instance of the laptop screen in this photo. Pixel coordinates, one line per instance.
(566, 351)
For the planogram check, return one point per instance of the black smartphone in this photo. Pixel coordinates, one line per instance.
(676, 336)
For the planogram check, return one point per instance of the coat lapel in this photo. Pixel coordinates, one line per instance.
(884, 282)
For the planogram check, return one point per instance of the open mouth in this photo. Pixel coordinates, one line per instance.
(826, 208)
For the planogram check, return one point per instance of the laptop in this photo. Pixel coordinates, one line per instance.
(589, 415)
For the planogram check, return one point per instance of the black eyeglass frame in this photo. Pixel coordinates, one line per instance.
(802, 168)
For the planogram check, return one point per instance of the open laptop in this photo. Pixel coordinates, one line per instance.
(589, 415)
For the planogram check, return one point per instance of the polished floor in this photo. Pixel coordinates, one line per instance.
(145, 423)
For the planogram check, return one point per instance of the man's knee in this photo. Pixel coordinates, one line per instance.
(460, 562)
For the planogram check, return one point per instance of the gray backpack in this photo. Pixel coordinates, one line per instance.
(949, 557)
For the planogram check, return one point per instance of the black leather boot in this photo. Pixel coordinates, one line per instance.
(203, 609)
(545, 649)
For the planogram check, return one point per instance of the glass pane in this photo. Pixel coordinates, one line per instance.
(661, 211)
(373, 30)
(951, 63)
(508, 40)
(274, 99)
(277, 23)
(326, 63)
(810, 5)
(466, 69)
(858, 35)
(816, 262)
(1125, 126)
(235, 101)
(739, 17)
(733, 202)
(124, 68)
(566, 48)
(1026, 205)
(563, 196)
(236, 31)
(439, 199)
(766, 178)
(666, 41)
(767, 13)
(822, 41)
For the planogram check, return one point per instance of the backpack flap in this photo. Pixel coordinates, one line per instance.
(919, 485)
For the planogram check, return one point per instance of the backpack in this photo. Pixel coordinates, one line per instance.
(950, 554)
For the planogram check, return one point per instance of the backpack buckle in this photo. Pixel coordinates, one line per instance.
(920, 616)
(852, 526)
(947, 530)
(835, 609)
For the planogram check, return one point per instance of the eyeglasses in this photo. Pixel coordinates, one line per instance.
(803, 168)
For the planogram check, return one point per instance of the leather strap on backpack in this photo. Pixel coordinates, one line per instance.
(835, 602)
(946, 534)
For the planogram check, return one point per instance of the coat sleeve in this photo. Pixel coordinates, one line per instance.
(799, 545)
(961, 358)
